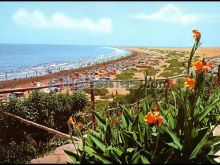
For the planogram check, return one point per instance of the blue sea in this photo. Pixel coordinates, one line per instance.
(26, 60)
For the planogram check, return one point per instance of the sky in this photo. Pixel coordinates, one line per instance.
(143, 24)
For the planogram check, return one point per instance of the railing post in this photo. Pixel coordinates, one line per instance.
(138, 103)
(166, 89)
(93, 104)
(218, 74)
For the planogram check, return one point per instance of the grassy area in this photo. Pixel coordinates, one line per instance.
(170, 53)
(101, 105)
(126, 74)
(169, 72)
(176, 63)
(97, 91)
(150, 71)
(106, 97)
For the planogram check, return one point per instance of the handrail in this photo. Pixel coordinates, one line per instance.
(80, 82)
(50, 130)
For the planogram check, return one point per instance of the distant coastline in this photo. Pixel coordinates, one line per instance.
(38, 60)
(18, 82)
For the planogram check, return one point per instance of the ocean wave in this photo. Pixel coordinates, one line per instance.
(44, 68)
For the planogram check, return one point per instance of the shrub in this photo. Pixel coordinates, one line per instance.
(47, 109)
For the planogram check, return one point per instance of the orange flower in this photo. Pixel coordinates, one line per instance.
(156, 107)
(196, 35)
(70, 121)
(153, 118)
(79, 125)
(210, 65)
(207, 67)
(150, 118)
(190, 83)
(160, 120)
(198, 65)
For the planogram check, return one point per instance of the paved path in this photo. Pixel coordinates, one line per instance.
(58, 156)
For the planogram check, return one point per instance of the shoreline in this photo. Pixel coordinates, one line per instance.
(136, 54)
(23, 81)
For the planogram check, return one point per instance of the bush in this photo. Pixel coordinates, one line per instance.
(49, 110)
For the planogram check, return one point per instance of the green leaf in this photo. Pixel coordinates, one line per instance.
(72, 156)
(100, 119)
(136, 154)
(172, 145)
(117, 151)
(103, 159)
(200, 145)
(98, 142)
(171, 121)
(127, 114)
(130, 149)
(89, 150)
(137, 160)
(141, 118)
(118, 161)
(135, 123)
(194, 133)
(208, 109)
(124, 121)
(144, 160)
(176, 140)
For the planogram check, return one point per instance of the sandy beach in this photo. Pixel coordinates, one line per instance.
(138, 55)
(27, 82)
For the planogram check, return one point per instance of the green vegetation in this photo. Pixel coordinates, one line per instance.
(175, 67)
(97, 91)
(180, 82)
(175, 63)
(126, 74)
(171, 53)
(176, 127)
(131, 138)
(169, 72)
(106, 97)
(19, 142)
(151, 72)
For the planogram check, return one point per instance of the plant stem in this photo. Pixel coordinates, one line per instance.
(73, 142)
(155, 150)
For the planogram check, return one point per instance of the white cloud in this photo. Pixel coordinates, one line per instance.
(172, 13)
(37, 19)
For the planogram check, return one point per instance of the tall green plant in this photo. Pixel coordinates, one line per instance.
(174, 130)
